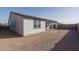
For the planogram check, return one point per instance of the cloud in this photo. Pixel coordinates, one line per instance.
(69, 21)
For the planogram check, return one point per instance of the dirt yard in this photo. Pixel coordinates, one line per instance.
(54, 40)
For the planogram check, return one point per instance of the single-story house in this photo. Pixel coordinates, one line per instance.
(28, 25)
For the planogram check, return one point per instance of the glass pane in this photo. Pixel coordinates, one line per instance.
(39, 24)
(35, 24)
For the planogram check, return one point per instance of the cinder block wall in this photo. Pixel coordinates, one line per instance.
(78, 27)
(67, 26)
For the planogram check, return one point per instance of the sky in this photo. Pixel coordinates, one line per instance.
(66, 15)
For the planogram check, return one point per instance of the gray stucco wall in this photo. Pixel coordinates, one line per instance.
(16, 23)
(28, 27)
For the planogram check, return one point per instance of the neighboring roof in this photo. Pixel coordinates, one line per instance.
(33, 17)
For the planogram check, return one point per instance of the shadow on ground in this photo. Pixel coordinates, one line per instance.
(70, 42)
(5, 33)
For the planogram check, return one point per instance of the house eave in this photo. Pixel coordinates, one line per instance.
(33, 17)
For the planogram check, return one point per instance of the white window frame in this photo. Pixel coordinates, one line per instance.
(37, 24)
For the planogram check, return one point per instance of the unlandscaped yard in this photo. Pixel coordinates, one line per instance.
(46, 41)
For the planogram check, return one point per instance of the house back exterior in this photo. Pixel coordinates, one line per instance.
(27, 25)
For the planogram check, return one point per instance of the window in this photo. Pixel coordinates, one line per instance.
(37, 24)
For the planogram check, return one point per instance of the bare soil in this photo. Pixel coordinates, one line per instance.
(54, 40)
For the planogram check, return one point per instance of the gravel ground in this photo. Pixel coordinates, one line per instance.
(46, 41)
(70, 42)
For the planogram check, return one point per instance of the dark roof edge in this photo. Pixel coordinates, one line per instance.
(33, 17)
